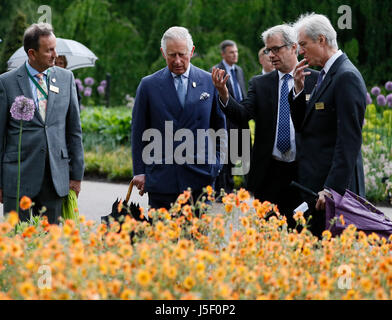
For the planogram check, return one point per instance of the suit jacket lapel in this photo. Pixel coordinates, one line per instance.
(169, 93)
(51, 94)
(324, 85)
(274, 94)
(24, 84)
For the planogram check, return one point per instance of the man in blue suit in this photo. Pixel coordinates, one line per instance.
(175, 106)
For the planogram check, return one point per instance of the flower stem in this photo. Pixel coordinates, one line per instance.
(19, 151)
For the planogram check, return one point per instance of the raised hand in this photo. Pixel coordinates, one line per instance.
(219, 80)
(299, 75)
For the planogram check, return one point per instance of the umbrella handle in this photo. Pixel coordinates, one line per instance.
(129, 192)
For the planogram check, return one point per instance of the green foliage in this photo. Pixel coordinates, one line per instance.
(125, 35)
(107, 127)
(14, 39)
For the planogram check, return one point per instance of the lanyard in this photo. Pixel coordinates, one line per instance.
(37, 84)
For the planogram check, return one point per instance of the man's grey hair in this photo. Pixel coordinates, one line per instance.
(177, 33)
(315, 25)
(33, 33)
(288, 34)
(226, 43)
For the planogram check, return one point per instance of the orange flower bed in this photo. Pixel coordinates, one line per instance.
(244, 252)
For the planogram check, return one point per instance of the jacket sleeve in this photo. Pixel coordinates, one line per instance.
(74, 135)
(350, 97)
(139, 125)
(3, 125)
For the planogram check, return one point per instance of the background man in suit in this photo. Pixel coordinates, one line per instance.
(52, 151)
(331, 122)
(237, 89)
(273, 163)
(265, 61)
(185, 97)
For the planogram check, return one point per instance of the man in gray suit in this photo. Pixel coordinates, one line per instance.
(52, 151)
(330, 123)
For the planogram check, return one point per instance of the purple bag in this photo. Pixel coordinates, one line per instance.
(357, 211)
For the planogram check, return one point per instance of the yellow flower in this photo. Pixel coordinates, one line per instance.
(143, 277)
(189, 283)
(228, 207)
(12, 218)
(27, 289)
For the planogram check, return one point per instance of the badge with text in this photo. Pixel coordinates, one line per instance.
(319, 105)
(307, 97)
(54, 89)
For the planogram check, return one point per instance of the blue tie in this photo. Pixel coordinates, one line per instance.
(181, 90)
(235, 85)
(283, 140)
(320, 79)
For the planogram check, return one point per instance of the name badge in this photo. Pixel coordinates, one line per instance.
(319, 105)
(307, 97)
(54, 89)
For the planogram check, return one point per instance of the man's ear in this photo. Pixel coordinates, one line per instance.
(31, 54)
(163, 54)
(322, 39)
(193, 50)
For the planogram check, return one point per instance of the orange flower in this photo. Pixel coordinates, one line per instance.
(243, 195)
(119, 206)
(143, 277)
(209, 190)
(25, 203)
(228, 207)
(341, 218)
(244, 207)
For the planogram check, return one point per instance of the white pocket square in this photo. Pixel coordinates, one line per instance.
(204, 96)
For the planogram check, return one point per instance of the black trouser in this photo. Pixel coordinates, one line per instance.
(276, 189)
(46, 197)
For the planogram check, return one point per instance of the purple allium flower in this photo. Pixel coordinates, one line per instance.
(80, 87)
(103, 83)
(375, 91)
(89, 81)
(87, 92)
(381, 101)
(368, 98)
(22, 108)
(388, 86)
(78, 82)
(389, 99)
(101, 89)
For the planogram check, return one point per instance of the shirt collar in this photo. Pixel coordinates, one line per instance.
(281, 74)
(185, 74)
(227, 66)
(34, 72)
(331, 61)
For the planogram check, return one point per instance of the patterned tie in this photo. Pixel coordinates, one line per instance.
(283, 140)
(42, 101)
(235, 85)
(320, 79)
(181, 90)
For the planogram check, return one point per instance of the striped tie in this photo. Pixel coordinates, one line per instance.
(42, 101)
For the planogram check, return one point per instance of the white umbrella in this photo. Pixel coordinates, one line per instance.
(78, 55)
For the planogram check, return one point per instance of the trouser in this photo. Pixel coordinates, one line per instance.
(47, 197)
(276, 188)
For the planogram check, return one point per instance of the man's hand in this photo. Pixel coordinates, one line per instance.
(219, 80)
(299, 76)
(1, 195)
(139, 182)
(320, 205)
(75, 185)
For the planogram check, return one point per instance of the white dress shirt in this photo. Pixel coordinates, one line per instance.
(228, 70)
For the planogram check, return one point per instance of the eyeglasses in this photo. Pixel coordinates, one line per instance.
(275, 50)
